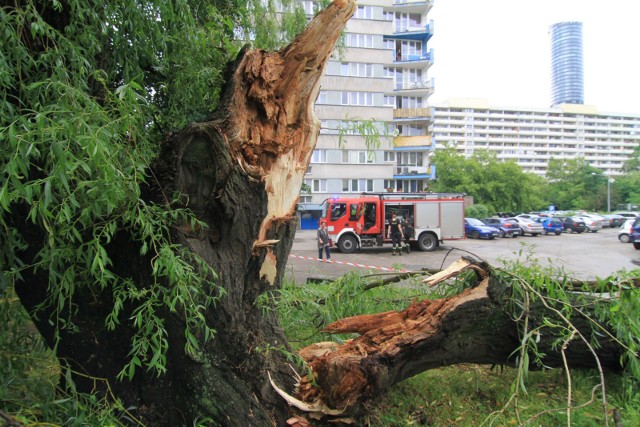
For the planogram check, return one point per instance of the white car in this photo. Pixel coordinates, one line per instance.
(624, 232)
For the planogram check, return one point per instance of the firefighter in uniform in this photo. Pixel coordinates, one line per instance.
(394, 231)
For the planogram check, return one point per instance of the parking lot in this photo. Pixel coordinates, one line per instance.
(585, 256)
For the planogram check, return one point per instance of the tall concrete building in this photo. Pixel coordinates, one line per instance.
(567, 75)
(380, 74)
(533, 136)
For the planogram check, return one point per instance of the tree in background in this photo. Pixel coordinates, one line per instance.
(501, 186)
(574, 184)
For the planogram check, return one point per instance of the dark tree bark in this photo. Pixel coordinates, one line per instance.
(241, 173)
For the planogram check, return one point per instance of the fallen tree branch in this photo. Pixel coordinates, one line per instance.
(476, 326)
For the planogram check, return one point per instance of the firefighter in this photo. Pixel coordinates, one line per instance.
(408, 232)
(394, 231)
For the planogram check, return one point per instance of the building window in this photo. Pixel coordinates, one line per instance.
(362, 157)
(319, 156)
(322, 97)
(358, 40)
(364, 12)
(389, 101)
(357, 98)
(358, 69)
(345, 156)
(357, 185)
(317, 185)
(389, 156)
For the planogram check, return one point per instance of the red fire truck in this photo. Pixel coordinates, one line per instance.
(361, 221)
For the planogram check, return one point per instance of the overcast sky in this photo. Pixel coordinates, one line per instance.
(500, 50)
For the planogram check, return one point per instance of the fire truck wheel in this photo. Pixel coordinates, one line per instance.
(347, 244)
(427, 242)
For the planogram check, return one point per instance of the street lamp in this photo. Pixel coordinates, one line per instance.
(609, 182)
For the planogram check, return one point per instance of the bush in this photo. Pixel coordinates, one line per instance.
(477, 211)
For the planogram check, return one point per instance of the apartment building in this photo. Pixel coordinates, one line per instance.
(380, 74)
(533, 136)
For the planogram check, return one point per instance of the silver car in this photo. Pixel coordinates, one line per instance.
(529, 226)
(593, 224)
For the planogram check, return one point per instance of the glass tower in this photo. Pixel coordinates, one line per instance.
(567, 80)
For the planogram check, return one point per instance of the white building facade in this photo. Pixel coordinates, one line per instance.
(380, 74)
(532, 136)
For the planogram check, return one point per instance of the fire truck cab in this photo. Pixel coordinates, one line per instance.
(361, 221)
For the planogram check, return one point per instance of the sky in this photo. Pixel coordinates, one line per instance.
(500, 50)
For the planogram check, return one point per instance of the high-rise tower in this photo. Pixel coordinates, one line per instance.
(567, 77)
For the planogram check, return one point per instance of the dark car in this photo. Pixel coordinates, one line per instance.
(551, 225)
(615, 220)
(476, 229)
(573, 225)
(506, 227)
(635, 233)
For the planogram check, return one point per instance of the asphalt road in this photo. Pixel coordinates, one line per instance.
(584, 256)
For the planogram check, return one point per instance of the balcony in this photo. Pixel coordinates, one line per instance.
(412, 113)
(422, 141)
(413, 6)
(412, 32)
(414, 88)
(414, 172)
(425, 59)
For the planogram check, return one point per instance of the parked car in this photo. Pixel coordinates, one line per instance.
(593, 225)
(602, 221)
(625, 230)
(615, 220)
(476, 229)
(529, 226)
(551, 225)
(507, 227)
(635, 233)
(573, 224)
(628, 215)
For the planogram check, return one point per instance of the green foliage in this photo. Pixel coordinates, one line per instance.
(573, 184)
(535, 287)
(372, 131)
(477, 211)
(87, 93)
(475, 395)
(500, 186)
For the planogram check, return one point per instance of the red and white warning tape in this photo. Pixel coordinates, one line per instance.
(352, 264)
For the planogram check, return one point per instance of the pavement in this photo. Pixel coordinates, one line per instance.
(304, 264)
(585, 256)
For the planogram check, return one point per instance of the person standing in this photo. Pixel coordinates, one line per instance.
(408, 232)
(324, 241)
(394, 231)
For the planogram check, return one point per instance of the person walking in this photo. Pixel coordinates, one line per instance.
(324, 241)
(394, 231)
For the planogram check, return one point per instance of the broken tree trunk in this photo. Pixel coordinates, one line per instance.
(473, 327)
(241, 174)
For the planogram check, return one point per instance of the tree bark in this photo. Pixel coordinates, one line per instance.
(241, 173)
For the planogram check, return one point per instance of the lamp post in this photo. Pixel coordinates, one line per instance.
(609, 182)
